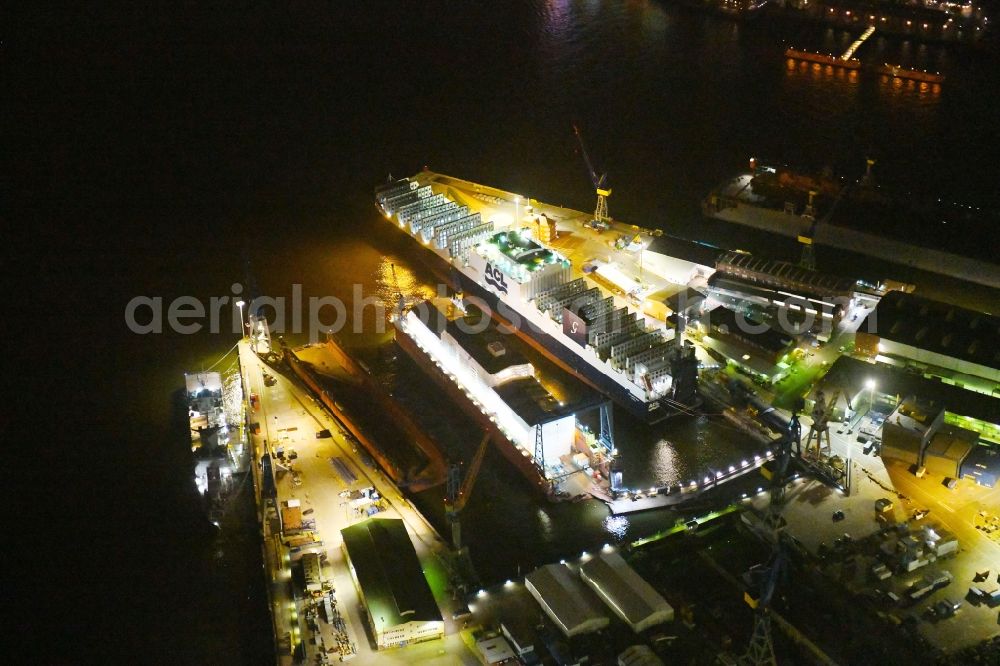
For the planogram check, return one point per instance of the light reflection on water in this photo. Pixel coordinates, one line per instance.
(544, 523)
(617, 526)
(663, 462)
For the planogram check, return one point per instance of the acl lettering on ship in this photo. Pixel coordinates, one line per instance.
(574, 327)
(494, 277)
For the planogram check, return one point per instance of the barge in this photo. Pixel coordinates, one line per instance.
(823, 59)
(921, 75)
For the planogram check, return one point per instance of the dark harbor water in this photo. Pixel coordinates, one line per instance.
(167, 145)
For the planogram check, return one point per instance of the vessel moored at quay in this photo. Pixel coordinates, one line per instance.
(856, 216)
(594, 333)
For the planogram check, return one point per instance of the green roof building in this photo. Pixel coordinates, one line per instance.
(391, 584)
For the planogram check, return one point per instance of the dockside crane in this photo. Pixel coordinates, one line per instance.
(459, 489)
(807, 239)
(763, 580)
(760, 652)
(820, 429)
(601, 218)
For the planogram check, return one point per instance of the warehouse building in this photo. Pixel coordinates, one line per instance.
(639, 655)
(946, 429)
(495, 650)
(909, 429)
(749, 344)
(757, 337)
(962, 408)
(565, 600)
(625, 592)
(788, 277)
(790, 311)
(391, 584)
(917, 434)
(961, 346)
(520, 635)
(947, 450)
(982, 465)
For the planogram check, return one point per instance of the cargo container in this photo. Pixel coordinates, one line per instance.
(312, 573)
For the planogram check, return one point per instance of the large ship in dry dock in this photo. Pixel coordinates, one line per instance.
(591, 319)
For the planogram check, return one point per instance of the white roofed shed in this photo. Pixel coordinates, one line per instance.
(625, 592)
(564, 599)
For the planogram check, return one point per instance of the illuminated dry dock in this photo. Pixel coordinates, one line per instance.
(587, 301)
(531, 413)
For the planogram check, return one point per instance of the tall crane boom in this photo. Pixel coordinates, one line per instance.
(808, 259)
(471, 475)
(458, 494)
(597, 180)
(600, 181)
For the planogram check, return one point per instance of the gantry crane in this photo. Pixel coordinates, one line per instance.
(601, 218)
(764, 579)
(808, 259)
(820, 428)
(459, 490)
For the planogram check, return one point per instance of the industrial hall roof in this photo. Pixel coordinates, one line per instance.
(851, 375)
(781, 272)
(388, 572)
(938, 327)
(625, 592)
(564, 598)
